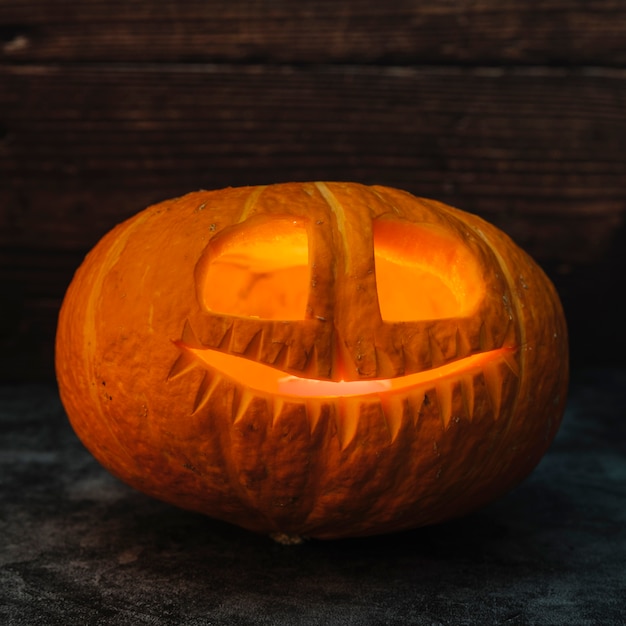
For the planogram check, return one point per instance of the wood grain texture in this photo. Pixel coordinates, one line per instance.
(514, 145)
(515, 111)
(560, 32)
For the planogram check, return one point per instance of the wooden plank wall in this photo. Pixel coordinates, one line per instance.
(513, 110)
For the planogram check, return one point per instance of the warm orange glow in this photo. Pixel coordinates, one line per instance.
(266, 379)
(260, 271)
(424, 272)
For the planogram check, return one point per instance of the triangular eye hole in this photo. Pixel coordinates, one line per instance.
(424, 272)
(258, 270)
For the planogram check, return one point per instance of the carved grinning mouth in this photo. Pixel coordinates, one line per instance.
(266, 379)
(471, 380)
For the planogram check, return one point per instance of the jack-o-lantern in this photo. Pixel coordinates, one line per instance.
(317, 359)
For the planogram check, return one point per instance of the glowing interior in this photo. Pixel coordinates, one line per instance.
(266, 379)
(422, 271)
(261, 271)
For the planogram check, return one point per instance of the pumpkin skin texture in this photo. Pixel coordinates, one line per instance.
(313, 359)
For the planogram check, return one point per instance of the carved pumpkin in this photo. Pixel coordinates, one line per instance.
(319, 359)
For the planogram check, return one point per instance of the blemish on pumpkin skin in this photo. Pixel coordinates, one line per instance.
(191, 468)
(507, 306)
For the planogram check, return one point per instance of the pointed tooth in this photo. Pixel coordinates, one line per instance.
(314, 412)
(277, 408)
(240, 408)
(207, 386)
(226, 340)
(247, 401)
(416, 354)
(185, 362)
(444, 400)
(510, 358)
(304, 359)
(468, 393)
(189, 337)
(347, 420)
(271, 349)
(414, 403)
(255, 346)
(425, 405)
(310, 369)
(436, 353)
(493, 385)
(282, 358)
(463, 345)
(385, 365)
(240, 336)
(393, 412)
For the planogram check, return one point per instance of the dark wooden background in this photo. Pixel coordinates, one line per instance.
(512, 110)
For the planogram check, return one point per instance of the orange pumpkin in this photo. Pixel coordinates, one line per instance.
(315, 359)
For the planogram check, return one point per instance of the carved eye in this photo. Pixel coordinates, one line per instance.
(424, 272)
(258, 270)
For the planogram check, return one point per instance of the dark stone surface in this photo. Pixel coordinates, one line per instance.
(78, 547)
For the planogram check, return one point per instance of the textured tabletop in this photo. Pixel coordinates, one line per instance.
(78, 547)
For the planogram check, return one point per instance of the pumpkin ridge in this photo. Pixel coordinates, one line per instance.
(251, 201)
(338, 211)
(493, 381)
(521, 331)
(232, 463)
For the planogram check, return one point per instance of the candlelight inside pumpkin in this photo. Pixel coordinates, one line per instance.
(263, 270)
(316, 359)
(272, 381)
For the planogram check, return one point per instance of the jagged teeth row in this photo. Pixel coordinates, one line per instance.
(252, 344)
(424, 347)
(466, 396)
